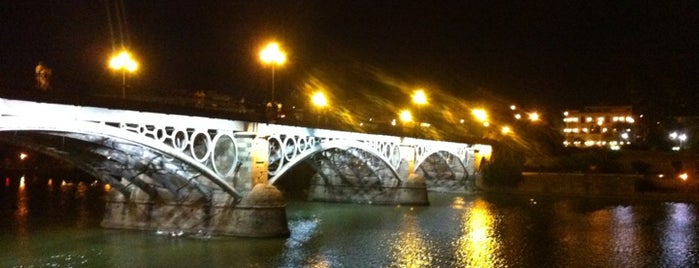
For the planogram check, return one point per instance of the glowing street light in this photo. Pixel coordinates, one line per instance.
(506, 130)
(272, 54)
(419, 97)
(480, 114)
(406, 116)
(123, 62)
(319, 100)
(534, 116)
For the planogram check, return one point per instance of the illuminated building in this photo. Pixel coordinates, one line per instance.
(601, 126)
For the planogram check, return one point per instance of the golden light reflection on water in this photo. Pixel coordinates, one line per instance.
(459, 203)
(22, 211)
(477, 245)
(410, 250)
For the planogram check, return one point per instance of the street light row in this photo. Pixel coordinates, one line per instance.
(273, 55)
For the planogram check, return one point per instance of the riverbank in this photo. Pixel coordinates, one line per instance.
(600, 185)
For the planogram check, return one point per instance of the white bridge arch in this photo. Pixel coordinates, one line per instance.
(209, 154)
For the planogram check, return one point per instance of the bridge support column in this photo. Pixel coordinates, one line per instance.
(262, 212)
(413, 190)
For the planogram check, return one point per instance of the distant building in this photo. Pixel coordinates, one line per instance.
(601, 126)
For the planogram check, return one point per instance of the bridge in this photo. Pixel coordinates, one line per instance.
(191, 174)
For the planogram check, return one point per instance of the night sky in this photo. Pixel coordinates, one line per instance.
(557, 54)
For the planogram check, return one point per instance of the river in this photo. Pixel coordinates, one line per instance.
(49, 223)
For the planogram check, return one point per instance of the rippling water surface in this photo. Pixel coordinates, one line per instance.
(55, 224)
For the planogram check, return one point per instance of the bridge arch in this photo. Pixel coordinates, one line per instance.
(424, 157)
(315, 148)
(43, 125)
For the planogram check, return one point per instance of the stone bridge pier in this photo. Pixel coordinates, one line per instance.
(258, 209)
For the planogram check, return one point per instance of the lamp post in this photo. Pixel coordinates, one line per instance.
(320, 102)
(272, 54)
(419, 98)
(123, 62)
(405, 116)
(481, 115)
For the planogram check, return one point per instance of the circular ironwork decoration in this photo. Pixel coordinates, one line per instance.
(289, 148)
(394, 156)
(160, 134)
(224, 157)
(179, 140)
(301, 145)
(276, 158)
(200, 146)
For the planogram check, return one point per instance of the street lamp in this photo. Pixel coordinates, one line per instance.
(319, 99)
(320, 102)
(419, 98)
(123, 62)
(272, 54)
(405, 116)
(481, 115)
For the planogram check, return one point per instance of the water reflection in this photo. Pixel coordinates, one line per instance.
(477, 245)
(22, 211)
(57, 224)
(409, 249)
(296, 247)
(626, 235)
(679, 236)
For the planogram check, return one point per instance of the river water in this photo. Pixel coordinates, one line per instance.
(54, 224)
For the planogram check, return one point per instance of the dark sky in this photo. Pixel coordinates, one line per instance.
(559, 54)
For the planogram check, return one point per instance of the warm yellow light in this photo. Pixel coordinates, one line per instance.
(419, 97)
(123, 61)
(319, 99)
(480, 114)
(534, 116)
(273, 54)
(684, 176)
(506, 130)
(23, 156)
(406, 116)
